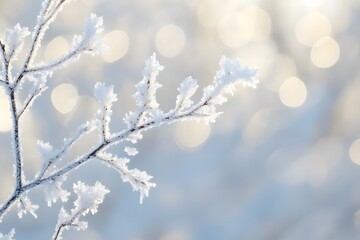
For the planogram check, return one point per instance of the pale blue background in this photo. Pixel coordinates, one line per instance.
(232, 187)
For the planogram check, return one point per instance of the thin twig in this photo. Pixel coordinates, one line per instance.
(58, 231)
(29, 101)
(53, 65)
(37, 36)
(81, 131)
(16, 141)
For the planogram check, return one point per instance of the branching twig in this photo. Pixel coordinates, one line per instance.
(147, 115)
(44, 19)
(89, 198)
(68, 143)
(56, 64)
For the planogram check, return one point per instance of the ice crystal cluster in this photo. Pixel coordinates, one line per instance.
(147, 115)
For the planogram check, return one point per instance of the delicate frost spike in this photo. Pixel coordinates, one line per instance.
(45, 149)
(152, 67)
(131, 151)
(63, 215)
(90, 41)
(93, 25)
(65, 221)
(47, 155)
(232, 71)
(186, 90)
(146, 89)
(89, 197)
(25, 206)
(9, 236)
(105, 95)
(14, 40)
(51, 156)
(139, 180)
(54, 191)
(82, 129)
(38, 87)
(145, 96)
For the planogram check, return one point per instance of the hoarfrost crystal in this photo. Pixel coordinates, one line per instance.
(25, 206)
(8, 236)
(14, 40)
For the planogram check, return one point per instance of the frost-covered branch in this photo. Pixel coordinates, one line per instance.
(145, 116)
(204, 110)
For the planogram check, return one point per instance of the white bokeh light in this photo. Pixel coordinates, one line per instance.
(56, 48)
(325, 52)
(64, 98)
(239, 28)
(170, 40)
(312, 27)
(354, 151)
(293, 92)
(210, 12)
(191, 134)
(118, 41)
(5, 117)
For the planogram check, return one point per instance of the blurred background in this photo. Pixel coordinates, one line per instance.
(281, 163)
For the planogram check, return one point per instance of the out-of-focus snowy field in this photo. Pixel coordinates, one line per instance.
(281, 163)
